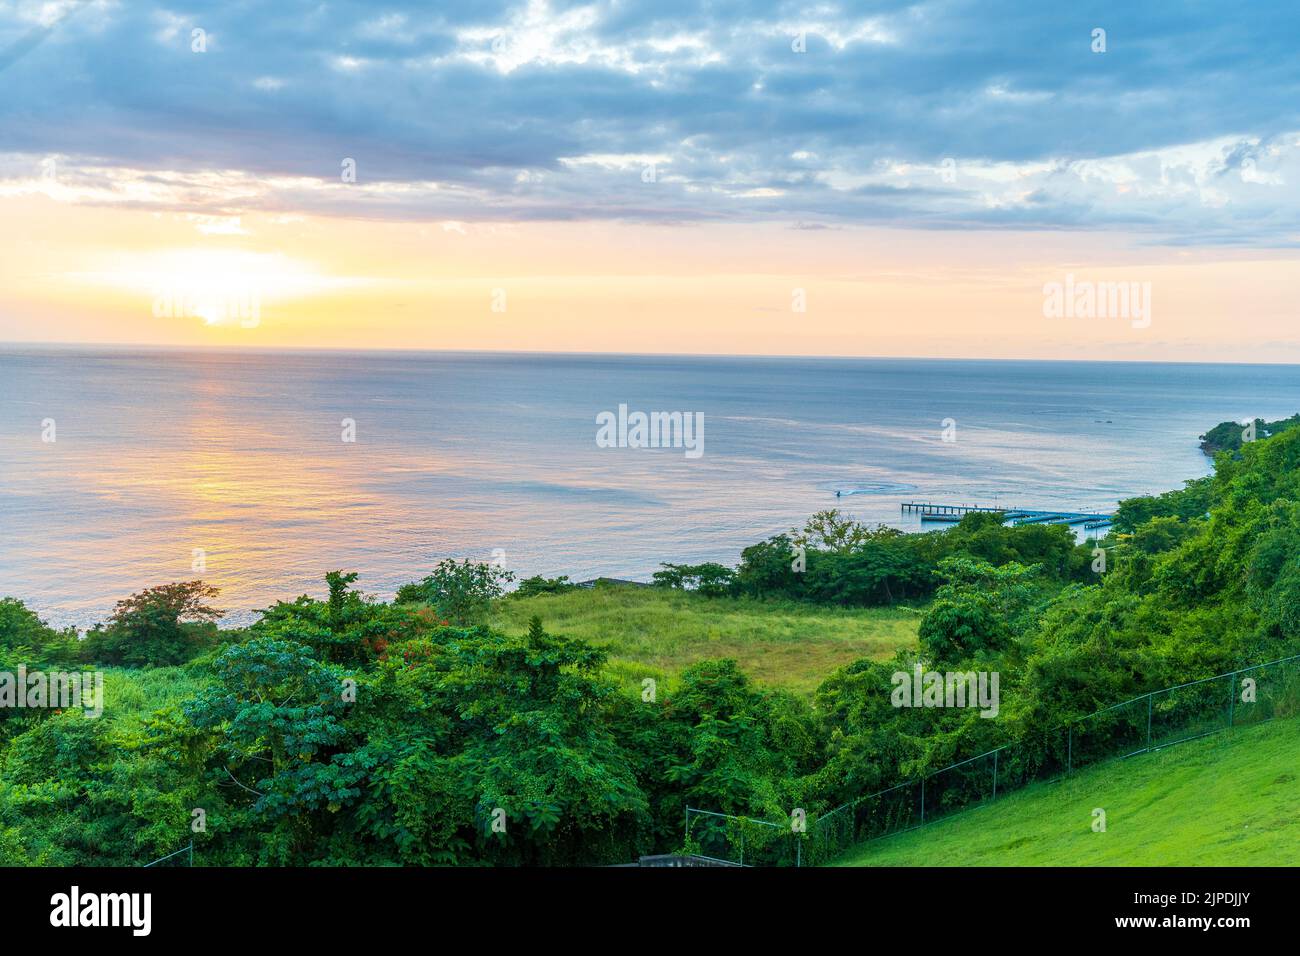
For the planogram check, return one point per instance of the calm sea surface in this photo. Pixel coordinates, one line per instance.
(159, 453)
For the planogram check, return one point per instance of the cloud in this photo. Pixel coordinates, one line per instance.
(942, 115)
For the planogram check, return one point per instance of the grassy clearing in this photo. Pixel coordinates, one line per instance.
(133, 695)
(655, 632)
(1232, 799)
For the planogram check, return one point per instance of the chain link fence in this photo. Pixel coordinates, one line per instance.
(1153, 721)
(182, 857)
(740, 840)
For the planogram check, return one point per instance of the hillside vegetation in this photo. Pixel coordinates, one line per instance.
(1229, 436)
(442, 728)
(1232, 799)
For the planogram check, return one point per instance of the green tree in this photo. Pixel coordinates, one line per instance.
(979, 611)
(25, 637)
(530, 587)
(461, 591)
(347, 628)
(277, 744)
(162, 625)
(768, 569)
(710, 579)
(832, 530)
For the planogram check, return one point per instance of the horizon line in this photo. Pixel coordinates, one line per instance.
(6, 346)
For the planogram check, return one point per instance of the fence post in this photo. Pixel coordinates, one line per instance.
(1148, 721)
(1069, 749)
(922, 801)
(1232, 698)
(995, 775)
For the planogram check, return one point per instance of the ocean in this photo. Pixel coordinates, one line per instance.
(126, 468)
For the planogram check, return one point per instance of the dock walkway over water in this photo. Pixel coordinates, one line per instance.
(929, 511)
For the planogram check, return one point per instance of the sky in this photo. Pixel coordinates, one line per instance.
(712, 177)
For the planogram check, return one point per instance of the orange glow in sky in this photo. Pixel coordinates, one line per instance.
(77, 273)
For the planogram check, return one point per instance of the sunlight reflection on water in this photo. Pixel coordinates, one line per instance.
(239, 454)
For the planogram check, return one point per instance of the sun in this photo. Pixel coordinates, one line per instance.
(210, 314)
(216, 287)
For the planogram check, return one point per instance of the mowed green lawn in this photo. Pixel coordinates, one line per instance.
(1232, 799)
(656, 632)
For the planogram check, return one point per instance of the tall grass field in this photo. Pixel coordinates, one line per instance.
(657, 632)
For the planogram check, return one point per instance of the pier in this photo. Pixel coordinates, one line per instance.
(929, 511)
